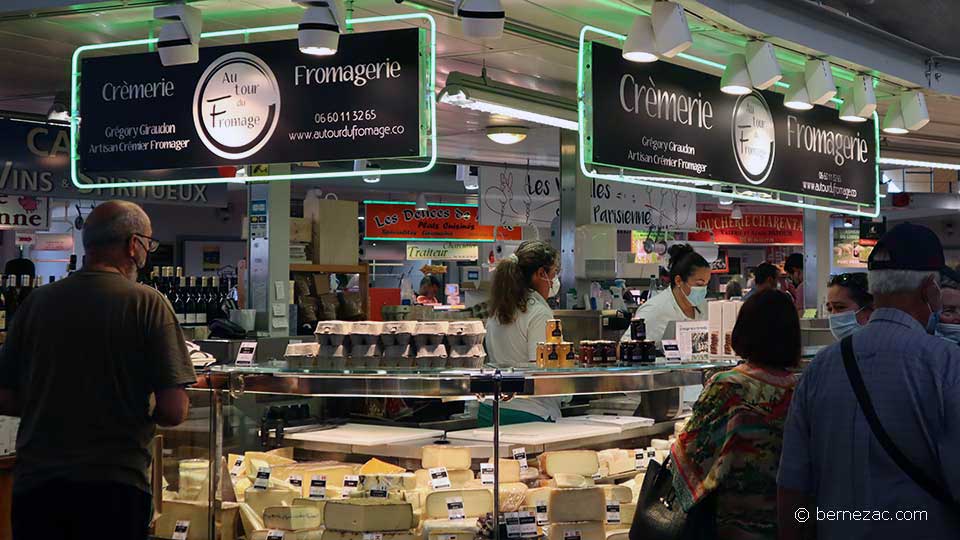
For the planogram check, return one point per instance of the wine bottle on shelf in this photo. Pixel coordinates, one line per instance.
(191, 302)
(203, 298)
(11, 296)
(180, 301)
(26, 286)
(214, 300)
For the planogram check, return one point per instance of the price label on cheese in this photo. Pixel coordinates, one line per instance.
(237, 467)
(520, 454)
(263, 478)
(350, 484)
(372, 536)
(246, 353)
(613, 512)
(180, 530)
(486, 474)
(296, 481)
(318, 487)
(378, 494)
(513, 524)
(639, 459)
(651, 456)
(542, 513)
(572, 535)
(439, 478)
(455, 508)
(275, 534)
(528, 525)
(596, 476)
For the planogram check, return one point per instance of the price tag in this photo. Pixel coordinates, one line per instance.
(596, 476)
(237, 467)
(542, 513)
(372, 536)
(486, 474)
(439, 478)
(378, 494)
(296, 481)
(528, 524)
(513, 524)
(275, 534)
(671, 349)
(613, 512)
(572, 535)
(180, 530)
(639, 461)
(651, 455)
(263, 478)
(350, 485)
(248, 349)
(455, 508)
(318, 487)
(520, 454)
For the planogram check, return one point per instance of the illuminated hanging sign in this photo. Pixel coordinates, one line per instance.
(670, 126)
(433, 251)
(453, 223)
(260, 102)
(755, 229)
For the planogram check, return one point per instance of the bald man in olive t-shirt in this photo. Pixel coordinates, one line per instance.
(91, 365)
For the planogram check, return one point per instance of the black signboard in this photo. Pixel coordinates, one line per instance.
(254, 103)
(669, 119)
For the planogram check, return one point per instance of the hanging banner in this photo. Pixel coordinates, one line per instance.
(518, 197)
(435, 251)
(23, 213)
(34, 160)
(631, 206)
(757, 229)
(847, 249)
(255, 103)
(53, 242)
(454, 223)
(664, 118)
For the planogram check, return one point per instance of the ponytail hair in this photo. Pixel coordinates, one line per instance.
(514, 275)
(683, 262)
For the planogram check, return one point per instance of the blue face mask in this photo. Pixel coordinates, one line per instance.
(697, 295)
(949, 332)
(843, 324)
(933, 322)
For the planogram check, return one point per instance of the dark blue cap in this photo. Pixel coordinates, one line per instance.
(909, 247)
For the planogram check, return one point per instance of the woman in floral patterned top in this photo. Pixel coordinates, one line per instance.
(730, 447)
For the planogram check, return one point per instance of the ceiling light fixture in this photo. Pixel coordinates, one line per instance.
(796, 97)
(640, 45)
(736, 213)
(848, 223)
(848, 109)
(179, 40)
(471, 182)
(818, 78)
(762, 64)
(736, 79)
(318, 33)
(481, 19)
(506, 134)
(670, 28)
(59, 111)
(864, 97)
(913, 107)
(421, 202)
(893, 119)
(492, 97)
(372, 169)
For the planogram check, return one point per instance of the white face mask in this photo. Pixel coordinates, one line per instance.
(554, 287)
(950, 332)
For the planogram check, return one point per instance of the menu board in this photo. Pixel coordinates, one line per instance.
(254, 103)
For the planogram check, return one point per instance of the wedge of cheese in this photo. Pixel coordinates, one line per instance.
(261, 499)
(476, 502)
(251, 520)
(315, 503)
(509, 470)
(198, 514)
(253, 461)
(619, 493)
(375, 466)
(458, 478)
(582, 462)
(389, 481)
(305, 534)
(585, 530)
(368, 515)
(348, 535)
(537, 495)
(627, 511)
(451, 457)
(291, 518)
(439, 528)
(565, 480)
(576, 504)
(616, 461)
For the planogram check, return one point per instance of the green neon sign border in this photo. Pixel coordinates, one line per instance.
(428, 94)
(653, 181)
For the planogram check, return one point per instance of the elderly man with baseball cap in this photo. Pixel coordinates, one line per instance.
(874, 424)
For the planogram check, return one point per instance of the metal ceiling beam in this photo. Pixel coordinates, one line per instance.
(836, 34)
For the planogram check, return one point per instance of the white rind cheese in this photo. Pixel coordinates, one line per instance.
(476, 502)
(368, 515)
(576, 504)
(291, 518)
(451, 457)
(582, 462)
(585, 530)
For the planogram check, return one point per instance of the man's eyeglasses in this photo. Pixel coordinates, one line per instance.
(151, 245)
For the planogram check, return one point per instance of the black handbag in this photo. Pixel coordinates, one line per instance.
(660, 516)
(936, 490)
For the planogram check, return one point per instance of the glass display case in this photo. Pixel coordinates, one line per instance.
(375, 454)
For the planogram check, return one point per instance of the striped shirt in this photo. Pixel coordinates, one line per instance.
(830, 452)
